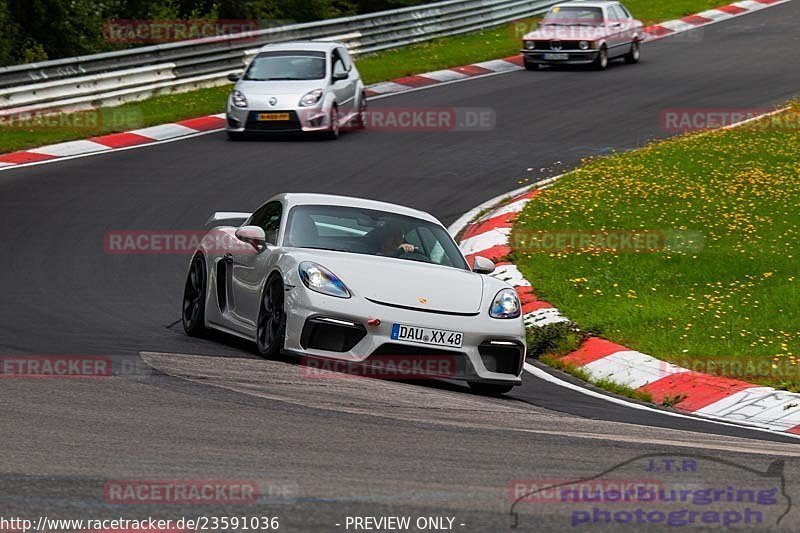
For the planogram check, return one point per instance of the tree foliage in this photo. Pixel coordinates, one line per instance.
(37, 30)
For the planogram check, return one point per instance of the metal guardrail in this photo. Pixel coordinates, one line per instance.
(116, 77)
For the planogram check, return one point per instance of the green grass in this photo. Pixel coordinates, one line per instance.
(442, 53)
(727, 304)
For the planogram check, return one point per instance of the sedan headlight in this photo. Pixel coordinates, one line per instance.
(583, 45)
(311, 98)
(320, 279)
(530, 45)
(505, 305)
(238, 99)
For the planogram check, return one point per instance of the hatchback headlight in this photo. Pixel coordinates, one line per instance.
(238, 99)
(320, 279)
(505, 305)
(311, 98)
(583, 45)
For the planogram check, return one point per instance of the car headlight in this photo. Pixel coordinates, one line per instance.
(238, 99)
(311, 98)
(505, 305)
(320, 279)
(530, 45)
(583, 45)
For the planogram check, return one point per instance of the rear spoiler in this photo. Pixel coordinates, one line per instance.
(230, 218)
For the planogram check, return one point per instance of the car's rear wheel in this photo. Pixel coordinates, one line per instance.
(489, 389)
(194, 297)
(271, 325)
(601, 63)
(633, 56)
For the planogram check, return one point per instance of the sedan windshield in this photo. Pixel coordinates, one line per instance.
(370, 232)
(574, 16)
(273, 66)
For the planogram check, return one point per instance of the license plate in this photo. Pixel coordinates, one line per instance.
(421, 335)
(556, 57)
(273, 116)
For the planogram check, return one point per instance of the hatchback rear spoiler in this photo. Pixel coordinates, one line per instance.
(230, 218)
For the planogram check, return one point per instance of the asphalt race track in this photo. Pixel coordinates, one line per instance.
(185, 408)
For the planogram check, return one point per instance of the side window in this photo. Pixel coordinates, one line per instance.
(616, 14)
(338, 64)
(346, 59)
(268, 217)
(625, 11)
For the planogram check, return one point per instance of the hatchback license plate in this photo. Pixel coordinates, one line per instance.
(273, 116)
(421, 335)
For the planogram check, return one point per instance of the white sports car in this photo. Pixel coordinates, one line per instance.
(359, 281)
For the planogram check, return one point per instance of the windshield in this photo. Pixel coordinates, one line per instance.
(286, 66)
(574, 16)
(366, 231)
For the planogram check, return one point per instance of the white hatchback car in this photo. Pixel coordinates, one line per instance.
(297, 87)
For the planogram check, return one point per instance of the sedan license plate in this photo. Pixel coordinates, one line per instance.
(273, 116)
(421, 335)
(556, 57)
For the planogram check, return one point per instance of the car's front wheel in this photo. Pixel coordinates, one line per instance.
(333, 118)
(271, 325)
(361, 118)
(489, 389)
(601, 63)
(633, 56)
(194, 297)
(529, 65)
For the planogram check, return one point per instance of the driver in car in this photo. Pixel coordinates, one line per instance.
(393, 242)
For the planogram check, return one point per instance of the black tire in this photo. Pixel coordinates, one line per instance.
(194, 297)
(635, 53)
(271, 325)
(531, 66)
(333, 133)
(236, 135)
(489, 389)
(361, 118)
(601, 63)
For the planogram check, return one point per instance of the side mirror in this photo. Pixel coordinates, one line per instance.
(481, 265)
(234, 77)
(338, 76)
(253, 235)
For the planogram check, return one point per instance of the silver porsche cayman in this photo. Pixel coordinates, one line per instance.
(356, 282)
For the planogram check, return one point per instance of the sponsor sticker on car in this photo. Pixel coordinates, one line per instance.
(430, 336)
